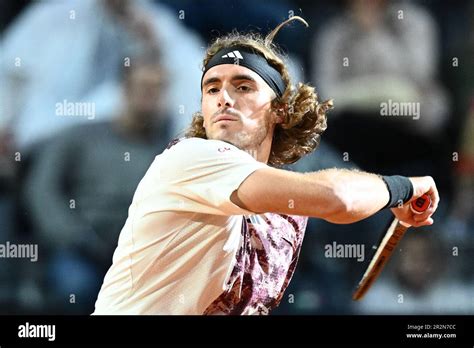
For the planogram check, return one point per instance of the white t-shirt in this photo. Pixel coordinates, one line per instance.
(177, 248)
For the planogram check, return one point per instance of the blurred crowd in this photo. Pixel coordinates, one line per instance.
(92, 90)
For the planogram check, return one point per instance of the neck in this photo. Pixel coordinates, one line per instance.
(261, 152)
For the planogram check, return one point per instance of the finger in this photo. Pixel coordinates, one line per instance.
(409, 221)
(425, 215)
(426, 222)
(434, 194)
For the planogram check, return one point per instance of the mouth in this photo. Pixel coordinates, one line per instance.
(224, 118)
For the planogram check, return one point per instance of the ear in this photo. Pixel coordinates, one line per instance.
(280, 113)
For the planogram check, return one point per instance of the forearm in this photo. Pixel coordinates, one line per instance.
(358, 195)
(336, 195)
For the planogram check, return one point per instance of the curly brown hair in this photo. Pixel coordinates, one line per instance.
(304, 117)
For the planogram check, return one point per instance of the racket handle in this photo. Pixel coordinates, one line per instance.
(421, 204)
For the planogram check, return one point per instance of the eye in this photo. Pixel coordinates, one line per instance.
(244, 88)
(212, 90)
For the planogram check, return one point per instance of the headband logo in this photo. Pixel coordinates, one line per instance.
(233, 54)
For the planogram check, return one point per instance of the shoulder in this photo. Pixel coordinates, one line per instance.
(203, 156)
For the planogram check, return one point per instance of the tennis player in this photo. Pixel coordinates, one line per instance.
(215, 227)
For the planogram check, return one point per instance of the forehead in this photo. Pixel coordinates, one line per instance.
(229, 71)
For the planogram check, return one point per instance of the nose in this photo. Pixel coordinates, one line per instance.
(225, 99)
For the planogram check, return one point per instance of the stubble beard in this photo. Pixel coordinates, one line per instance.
(249, 142)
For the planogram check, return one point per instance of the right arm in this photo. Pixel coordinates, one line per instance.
(336, 195)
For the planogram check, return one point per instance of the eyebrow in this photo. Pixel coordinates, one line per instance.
(234, 78)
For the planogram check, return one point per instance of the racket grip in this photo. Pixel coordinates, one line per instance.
(420, 204)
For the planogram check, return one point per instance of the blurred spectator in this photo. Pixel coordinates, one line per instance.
(421, 283)
(72, 51)
(391, 51)
(383, 52)
(80, 186)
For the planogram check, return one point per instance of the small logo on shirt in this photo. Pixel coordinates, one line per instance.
(223, 149)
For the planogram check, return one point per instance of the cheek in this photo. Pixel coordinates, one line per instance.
(254, 123)
(206, 110)
(257, 113)
(255, 105)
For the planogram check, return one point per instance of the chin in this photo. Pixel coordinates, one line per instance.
(223, 136)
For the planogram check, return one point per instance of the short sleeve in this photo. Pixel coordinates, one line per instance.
(202, 175)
